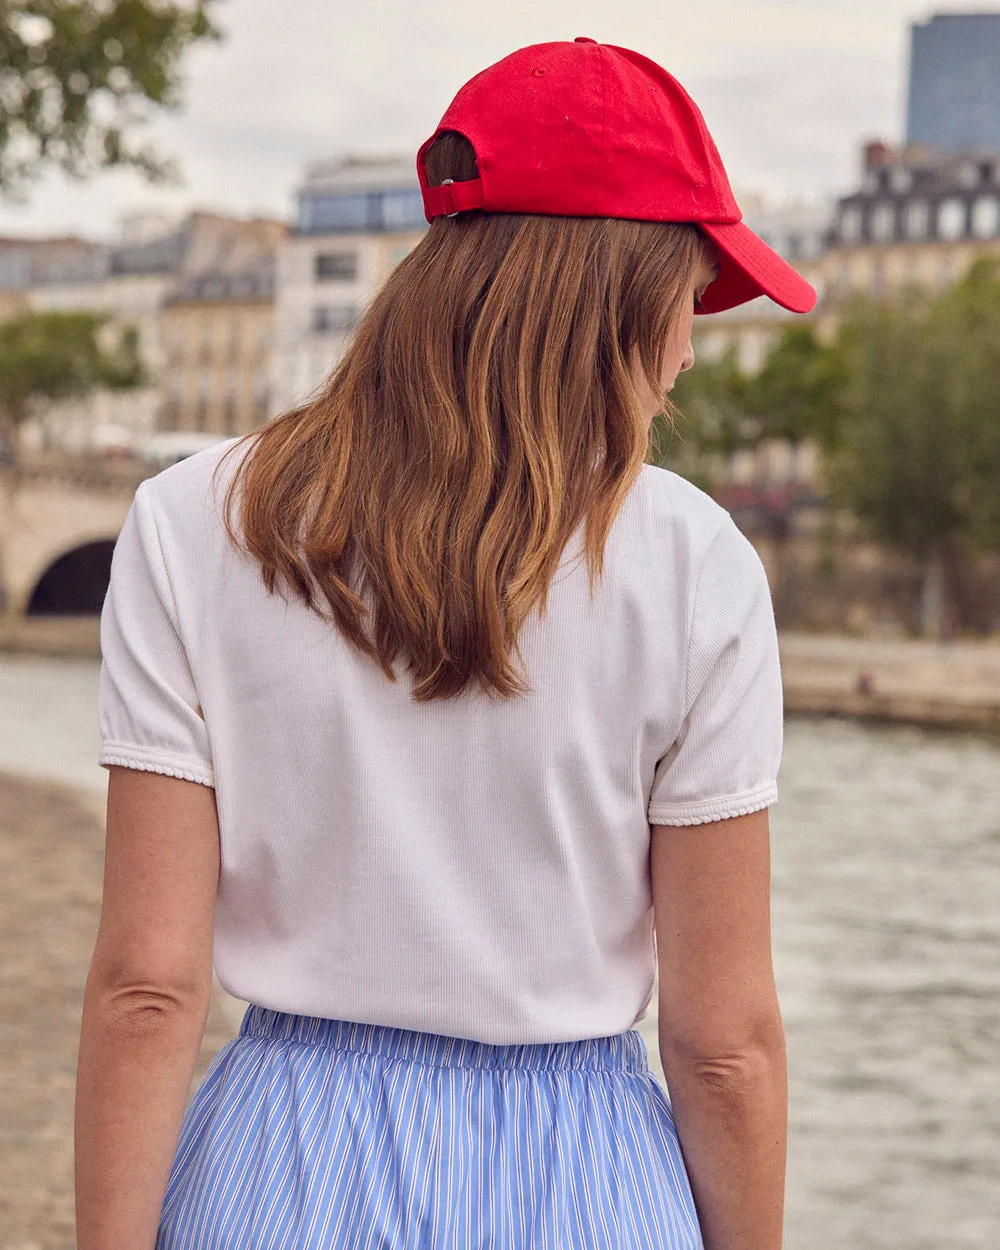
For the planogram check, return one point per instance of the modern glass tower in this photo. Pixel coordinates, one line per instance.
(954, 96)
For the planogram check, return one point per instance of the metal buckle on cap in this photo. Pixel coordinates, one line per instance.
(445, 183)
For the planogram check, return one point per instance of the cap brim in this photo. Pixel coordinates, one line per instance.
(749, 268)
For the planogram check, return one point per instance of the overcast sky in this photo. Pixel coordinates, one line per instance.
(789, 89)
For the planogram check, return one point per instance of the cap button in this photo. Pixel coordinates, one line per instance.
(584, 39)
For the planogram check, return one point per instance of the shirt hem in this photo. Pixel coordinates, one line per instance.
(123, 755)
(707, 811)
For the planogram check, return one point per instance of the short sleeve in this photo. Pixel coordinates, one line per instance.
(725, 759)
(147, 705)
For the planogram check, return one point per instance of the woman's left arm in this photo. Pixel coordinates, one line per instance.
(145, 1004)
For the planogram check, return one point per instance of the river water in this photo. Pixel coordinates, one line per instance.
(887, 949)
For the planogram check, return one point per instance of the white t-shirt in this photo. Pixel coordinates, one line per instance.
(473, 867)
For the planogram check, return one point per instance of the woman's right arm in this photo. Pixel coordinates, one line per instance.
(721, 1038)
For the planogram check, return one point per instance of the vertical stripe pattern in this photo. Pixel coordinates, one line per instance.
(310, 1134)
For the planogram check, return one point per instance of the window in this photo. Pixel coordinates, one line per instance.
(968, 175)
(911, 269)
(900, 179)
(850, 224)
(917, 219)
(403, 210)
(951, 219)
(207, 339)
(170, 413)
(883, 222)
(335, 266)
(878, 278)
(986, 217)
(333, 318)
(362, 210)
(333, 212)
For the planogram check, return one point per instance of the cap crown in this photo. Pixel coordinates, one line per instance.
(589, 130)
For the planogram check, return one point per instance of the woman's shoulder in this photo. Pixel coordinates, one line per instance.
(185, 503)
(192, 492)
(677, 507)
(193, 471)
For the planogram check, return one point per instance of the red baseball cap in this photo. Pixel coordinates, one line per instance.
(585, 129)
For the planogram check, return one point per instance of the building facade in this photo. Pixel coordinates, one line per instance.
(356, 220)
(918, 221)
(218, 328)
(200, 294)
(954, 89)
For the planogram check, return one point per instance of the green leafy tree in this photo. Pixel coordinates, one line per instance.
(710, 421)
(918, 458)
(798, 394)
(80, 78)
(49, 356)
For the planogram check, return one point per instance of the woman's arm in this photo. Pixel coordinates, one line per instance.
(145, 1004)
(721, 1038)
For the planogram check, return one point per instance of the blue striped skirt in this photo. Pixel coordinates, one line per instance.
(310, 1134)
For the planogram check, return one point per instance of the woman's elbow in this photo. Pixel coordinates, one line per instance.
(735, 1074)
(731, 1062)
(138, 1007)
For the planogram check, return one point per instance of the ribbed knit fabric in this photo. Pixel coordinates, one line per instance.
(472, 867)
(320, 1135)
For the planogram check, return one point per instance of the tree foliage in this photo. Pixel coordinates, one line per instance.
(709, 423)
(919, 455)
(797, 395)
(50, 356)
(794, 397)
(80, 78)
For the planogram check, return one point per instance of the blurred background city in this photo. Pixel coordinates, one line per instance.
(197, 201)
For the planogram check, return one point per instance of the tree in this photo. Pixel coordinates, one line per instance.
(797, 395)
(50, 356)
(918, 459)
(710, 421)
(79, 79)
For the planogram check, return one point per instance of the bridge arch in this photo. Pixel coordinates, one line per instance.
(49, 514)
(75, 583)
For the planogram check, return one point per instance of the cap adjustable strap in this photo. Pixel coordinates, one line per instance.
(451, 197)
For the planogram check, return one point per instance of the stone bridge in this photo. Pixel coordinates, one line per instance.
(59, 519)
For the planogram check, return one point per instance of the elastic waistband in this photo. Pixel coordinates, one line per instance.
(621, 1052)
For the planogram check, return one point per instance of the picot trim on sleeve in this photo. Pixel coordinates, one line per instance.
(127, 755)
(705, 811)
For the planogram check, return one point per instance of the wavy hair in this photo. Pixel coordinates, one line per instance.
(486, 406)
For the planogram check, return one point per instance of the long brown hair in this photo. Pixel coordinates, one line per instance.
(486, 406)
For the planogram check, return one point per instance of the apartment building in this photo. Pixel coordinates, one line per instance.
(918, 220)
(356, 219)
(218, 327)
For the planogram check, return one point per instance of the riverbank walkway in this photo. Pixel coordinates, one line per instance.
(51, 864)
(947, 685)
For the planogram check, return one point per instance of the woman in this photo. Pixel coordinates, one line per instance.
(440, 839)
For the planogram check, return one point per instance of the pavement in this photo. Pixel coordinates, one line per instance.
(949, 685)
(51, 863)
